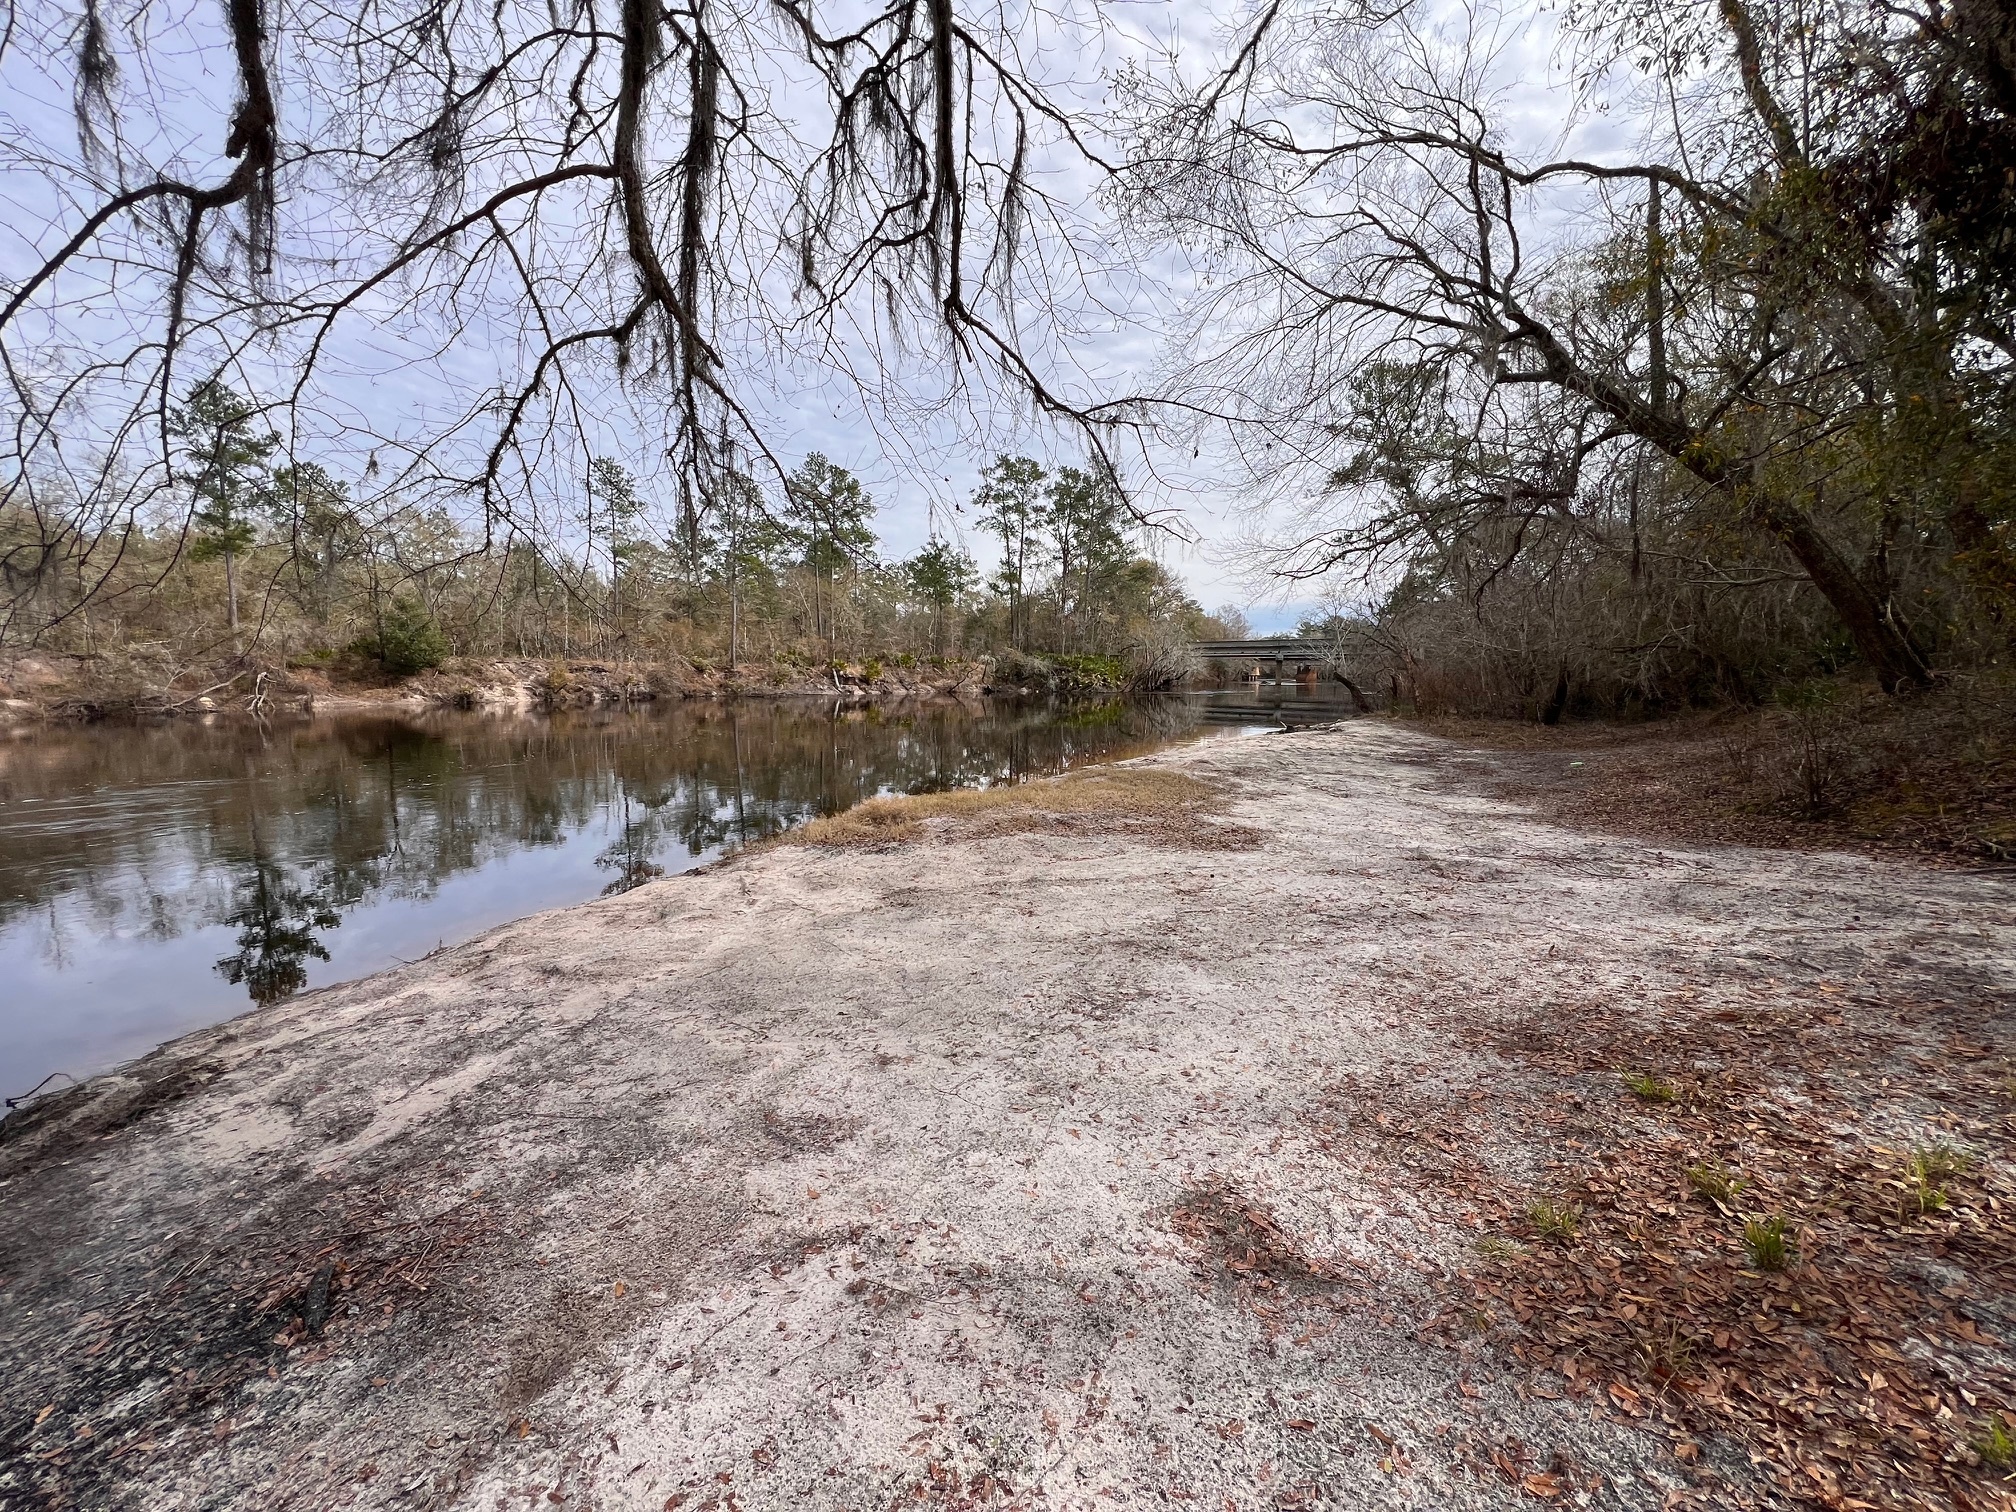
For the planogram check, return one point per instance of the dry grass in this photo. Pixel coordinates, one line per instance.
(1162, 804)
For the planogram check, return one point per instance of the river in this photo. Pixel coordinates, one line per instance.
(156, 878)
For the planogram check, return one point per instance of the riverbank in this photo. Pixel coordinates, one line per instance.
(44, 687)
(1295, 1124)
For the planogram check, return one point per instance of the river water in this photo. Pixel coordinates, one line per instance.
(157, 878)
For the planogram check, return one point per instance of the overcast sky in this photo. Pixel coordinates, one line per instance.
(920, 460)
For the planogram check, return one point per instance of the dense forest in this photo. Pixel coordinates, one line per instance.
(1694, 423)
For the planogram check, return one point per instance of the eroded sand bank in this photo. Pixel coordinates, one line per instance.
(1072, 1164)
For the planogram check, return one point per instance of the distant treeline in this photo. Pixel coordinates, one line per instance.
(259, 557)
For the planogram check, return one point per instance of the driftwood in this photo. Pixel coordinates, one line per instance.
(206, 692)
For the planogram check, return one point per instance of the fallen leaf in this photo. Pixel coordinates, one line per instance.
(1302, 1425)
(1546, 1483)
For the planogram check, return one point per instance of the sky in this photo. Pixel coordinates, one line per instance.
(918, 454)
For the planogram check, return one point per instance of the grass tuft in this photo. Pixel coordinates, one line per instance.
(1996, 1444)
(1555, 1219)
(1769, 1243)
(1649, 1087)
(1926, 1174)
(1666, 1348)
(1716, 1182)
(1507, 1250)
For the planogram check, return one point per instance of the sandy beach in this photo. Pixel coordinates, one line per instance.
(1268, 1141)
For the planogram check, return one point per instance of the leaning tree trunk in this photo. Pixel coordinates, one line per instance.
(1883, 643)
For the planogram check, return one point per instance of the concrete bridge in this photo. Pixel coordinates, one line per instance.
(1281, 650)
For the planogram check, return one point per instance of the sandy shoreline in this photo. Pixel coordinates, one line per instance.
(1064, 1165)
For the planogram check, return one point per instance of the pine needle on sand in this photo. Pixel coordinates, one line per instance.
(1096, 798)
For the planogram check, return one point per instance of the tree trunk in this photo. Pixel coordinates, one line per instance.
(1883, 643)
(1557, 705)
(231, 595)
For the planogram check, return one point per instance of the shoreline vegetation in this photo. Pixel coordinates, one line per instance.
(1292, 1118)
(289, 598)
(55, 687)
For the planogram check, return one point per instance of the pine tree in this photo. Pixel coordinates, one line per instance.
(229, 474)
(830, 511)
(1012, 507)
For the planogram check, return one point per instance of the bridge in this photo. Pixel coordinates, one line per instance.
(1280, 650)
(1283, 651)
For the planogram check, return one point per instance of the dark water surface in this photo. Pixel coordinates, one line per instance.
(157, 878)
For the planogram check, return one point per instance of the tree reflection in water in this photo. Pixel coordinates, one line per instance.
(276, 933)
(124, 839)
(630, 857)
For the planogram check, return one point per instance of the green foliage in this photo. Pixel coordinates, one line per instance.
(1996, 1444)
(1769, 1243)
(407, 640)
(794, 574)
(1926, 1173)
(225, 459)
(1649, 1088)
(1011, 506)
(226, 456)
(941, 575)
(1500, 1250)
(1094, 671)
(1716, 1182)
(830, 510)
(1555, 1218)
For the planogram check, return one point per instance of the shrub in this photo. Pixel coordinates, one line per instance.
(407, 640)
(1819, 726)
